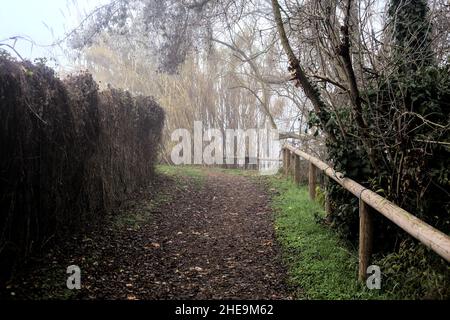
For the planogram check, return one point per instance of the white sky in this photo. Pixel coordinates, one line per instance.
(43, 21)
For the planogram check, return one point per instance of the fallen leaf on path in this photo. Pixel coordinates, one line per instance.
(196, 269)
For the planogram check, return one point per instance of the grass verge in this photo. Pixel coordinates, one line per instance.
(177, 172)
(319, 262)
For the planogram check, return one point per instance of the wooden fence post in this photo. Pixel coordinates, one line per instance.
(297, 169)
(365, 239)
(371, 202)
(287, 168)
(327, 197)
(291, 163)
(312, 181)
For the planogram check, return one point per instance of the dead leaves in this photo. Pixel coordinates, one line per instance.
(214, 242)
(153, 245)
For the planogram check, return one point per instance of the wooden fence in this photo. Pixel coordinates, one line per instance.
(429, 236)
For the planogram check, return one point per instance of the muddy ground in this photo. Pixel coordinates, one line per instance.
(208, 237)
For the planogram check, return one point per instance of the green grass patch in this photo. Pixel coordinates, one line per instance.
(319, 262)
(196, 173)
(238, 172)
(140, 212)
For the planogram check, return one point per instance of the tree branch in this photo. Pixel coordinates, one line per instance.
(264, 101)
(326, 79)
(297, 72)
(344, 51)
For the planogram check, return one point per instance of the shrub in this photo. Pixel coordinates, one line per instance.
(69, 153)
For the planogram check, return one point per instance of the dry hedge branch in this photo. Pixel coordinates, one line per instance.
(68, 154)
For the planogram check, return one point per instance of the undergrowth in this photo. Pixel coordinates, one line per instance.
(319, 261)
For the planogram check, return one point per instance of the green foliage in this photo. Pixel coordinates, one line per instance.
(320, 196)
(413, 272)
(408, 113)
(417, 170)
(349, 157)
(319, 262)
(324, 266)
(407, 110)
(411, 30)
(177, 172)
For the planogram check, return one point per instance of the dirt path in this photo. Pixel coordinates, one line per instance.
(212, 239)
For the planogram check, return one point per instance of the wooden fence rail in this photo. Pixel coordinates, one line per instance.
(434, 239)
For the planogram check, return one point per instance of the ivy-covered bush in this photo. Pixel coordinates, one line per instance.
(407, 109)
